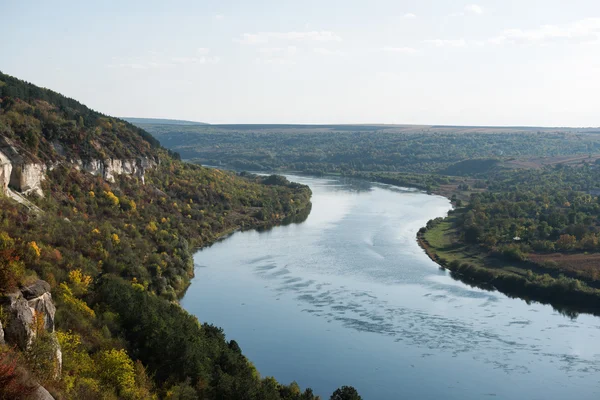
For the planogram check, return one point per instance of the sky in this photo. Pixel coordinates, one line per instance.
(452, 62)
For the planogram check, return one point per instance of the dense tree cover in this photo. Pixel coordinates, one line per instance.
(553, 209)
(176, 348)
(343, 149)
(118, 256)
(542, 224)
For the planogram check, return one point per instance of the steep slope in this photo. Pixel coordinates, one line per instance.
(118, 219)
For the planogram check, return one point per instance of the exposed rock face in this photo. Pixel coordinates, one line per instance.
(19, 325)
(41, 394)
(25, 174)
(110, 168)
(1, 334)
(20, 309)
(5, 171)
(94, 167)
(134, 167)
(39, 299)
(36, 289)
(28, 177)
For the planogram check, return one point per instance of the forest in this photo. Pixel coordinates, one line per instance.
(117, 256)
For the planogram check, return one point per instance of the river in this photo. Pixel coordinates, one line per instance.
(349, 298)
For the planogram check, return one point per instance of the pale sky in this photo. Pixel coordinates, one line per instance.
(492, 62)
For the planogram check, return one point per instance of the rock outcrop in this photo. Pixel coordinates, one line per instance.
(27, 178)
(21, 308)
(40, 301)
(25, 173)
(110, 168)
(5, 171)
(19, 321)
(41, 393)
(1, 334)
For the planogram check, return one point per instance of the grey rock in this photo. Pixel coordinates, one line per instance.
(44, 304)
(36, 289)
(5, 171)
(1, 334)
(19, 321)
(41, 394)
(20, 308)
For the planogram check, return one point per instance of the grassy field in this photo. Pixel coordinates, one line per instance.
(441, 244)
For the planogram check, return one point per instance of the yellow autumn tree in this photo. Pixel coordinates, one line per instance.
(79, 305)
(79, 282)
(33, 249)
(117, 370)
(114, 200)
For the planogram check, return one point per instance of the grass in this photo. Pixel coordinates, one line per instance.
(442, 242)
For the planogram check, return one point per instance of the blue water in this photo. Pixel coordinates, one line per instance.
(349, 298)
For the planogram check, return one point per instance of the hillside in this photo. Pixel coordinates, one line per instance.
(100, 244)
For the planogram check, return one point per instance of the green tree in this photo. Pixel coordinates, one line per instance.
(345, 393)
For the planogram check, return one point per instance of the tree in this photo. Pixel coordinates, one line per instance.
(117, 370)
(345, 393)
(566, 242)
(472, 234)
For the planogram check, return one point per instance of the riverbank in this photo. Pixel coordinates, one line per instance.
(525, 280)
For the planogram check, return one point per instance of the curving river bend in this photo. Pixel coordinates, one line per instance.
(349, 298)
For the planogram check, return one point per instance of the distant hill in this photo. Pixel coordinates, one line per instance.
(160, 121)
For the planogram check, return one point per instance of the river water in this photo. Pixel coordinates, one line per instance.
(349, 298)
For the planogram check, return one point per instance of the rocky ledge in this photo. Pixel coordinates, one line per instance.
(26, 175)
(20, 310)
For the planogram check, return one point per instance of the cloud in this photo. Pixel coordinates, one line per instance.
(328, 52)
(156, 63)
(128, 65)
(276, 61)
(447, 42)
(142, 65)
(398, 50)
(219, 17)
(196, 60)
(289, 50)
(409, 16)
(265, 37)
(582, 31)
(277, 55)
(474, 9)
